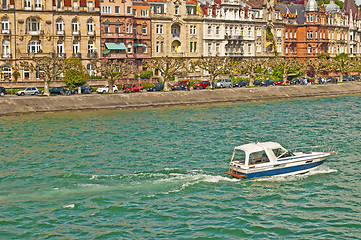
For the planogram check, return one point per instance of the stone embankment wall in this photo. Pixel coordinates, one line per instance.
(13, 105)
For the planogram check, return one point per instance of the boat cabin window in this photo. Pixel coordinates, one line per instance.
(239, 156)
(282, 153)
(258, 157)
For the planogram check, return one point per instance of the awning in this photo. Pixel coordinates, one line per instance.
(116, 23)
(115, 46)
(138, 45)
(106, 51)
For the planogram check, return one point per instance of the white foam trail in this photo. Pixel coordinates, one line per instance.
(69, 206)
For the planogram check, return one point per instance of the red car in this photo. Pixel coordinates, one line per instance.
(201, 85)
(133, 87)
(281, 82)
(181, 85)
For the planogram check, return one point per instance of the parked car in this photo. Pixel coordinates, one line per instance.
(202, 85)
(58, 91)
(296, 81)
(158, 87)
(321, 80)
(280, 82)
(181, 85)
(84, 90)
(2, 91)
(28, 91)
(257, 82)
(241, 83)
(356, 77)
(133, 87)
(268, 82)
(105, 89)
(331, 80)
(223, 83)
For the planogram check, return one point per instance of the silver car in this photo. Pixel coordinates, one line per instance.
(28, 91)
(223, 83)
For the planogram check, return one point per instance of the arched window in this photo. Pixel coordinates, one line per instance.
(75, 46)
(175, 30)
(34, 46)
(59, 26)
(90, 46)
(91, 69)
(75, 26)
(6, 48)
(60, 48)
(32, 25)
(4, 25)
(90, 26)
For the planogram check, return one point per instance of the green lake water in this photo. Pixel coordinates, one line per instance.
(160, 173)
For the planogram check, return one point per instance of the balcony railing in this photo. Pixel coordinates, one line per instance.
(93, 55)
(117, 35)
(32, 54)
(77, 33)
(233, 37)
(92, 33)
(36, 33)
(61, 55)
(6, 31)
(6, 55)
(60, 32)
(77, 55)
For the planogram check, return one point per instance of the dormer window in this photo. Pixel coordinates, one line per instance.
(176, 10)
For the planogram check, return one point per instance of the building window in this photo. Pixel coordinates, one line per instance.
(117, 9)
(145, 48)
(129, 48)
(106, 28)
(259, 49)
(91, 69)
(60, 48)
(26, 74)
(218, 48)
(217, 31)
(259, 32)
(286, 35)
(38, 4)
(311, 18)
(33, 24)
(34, 46)
(159, 29)
(5, 25)
(315, 35)
(75, 26)
(176, 10)
(27, 4)
(59, 26)
(129, 10)
(106, 9)
(144, 13)
(90, 26)
(249, 48)
(6, 48)
(59, 4)
(311, 35)
(209, 30)
(135, 29)
(157, 47)
(249, 31)
(127, 28)
(295, 34)
(309, 49)
(117, 29)
(90, 46)
(193, 46)
(209, 47)
(144, 29)
(75, 46)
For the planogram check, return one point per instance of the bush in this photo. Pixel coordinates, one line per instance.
(144, 75)
(74, 78)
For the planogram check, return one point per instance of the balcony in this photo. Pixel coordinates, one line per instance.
(117, 35)
(76, 33)
(6, 55)
(38, 7)
(115, 55)
(233, 37)
(92, 55)
(60, 32)
(77, 55)
(91, 33)
(6, 32)
(61, 55)
(36, 33)
(33, 54)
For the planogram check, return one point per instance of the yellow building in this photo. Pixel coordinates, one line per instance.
(37, 28)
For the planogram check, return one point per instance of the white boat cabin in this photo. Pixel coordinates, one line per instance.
(256, 153)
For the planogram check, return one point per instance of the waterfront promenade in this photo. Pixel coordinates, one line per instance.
(16, 105)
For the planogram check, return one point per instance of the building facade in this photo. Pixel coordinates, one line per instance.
(125, 31)
(38, 28)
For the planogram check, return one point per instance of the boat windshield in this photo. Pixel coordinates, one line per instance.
(258, 157)
(239, 156)
(282, 153)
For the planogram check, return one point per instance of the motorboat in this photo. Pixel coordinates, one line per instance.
(264, 159)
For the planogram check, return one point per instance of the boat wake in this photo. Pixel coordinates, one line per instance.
(320, 170)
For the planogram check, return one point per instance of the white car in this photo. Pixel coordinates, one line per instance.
(28, 91)
(105, 89)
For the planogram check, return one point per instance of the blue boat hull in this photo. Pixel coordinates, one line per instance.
(282, 171)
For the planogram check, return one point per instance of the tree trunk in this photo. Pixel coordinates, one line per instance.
(46, 88)
(110, 84)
